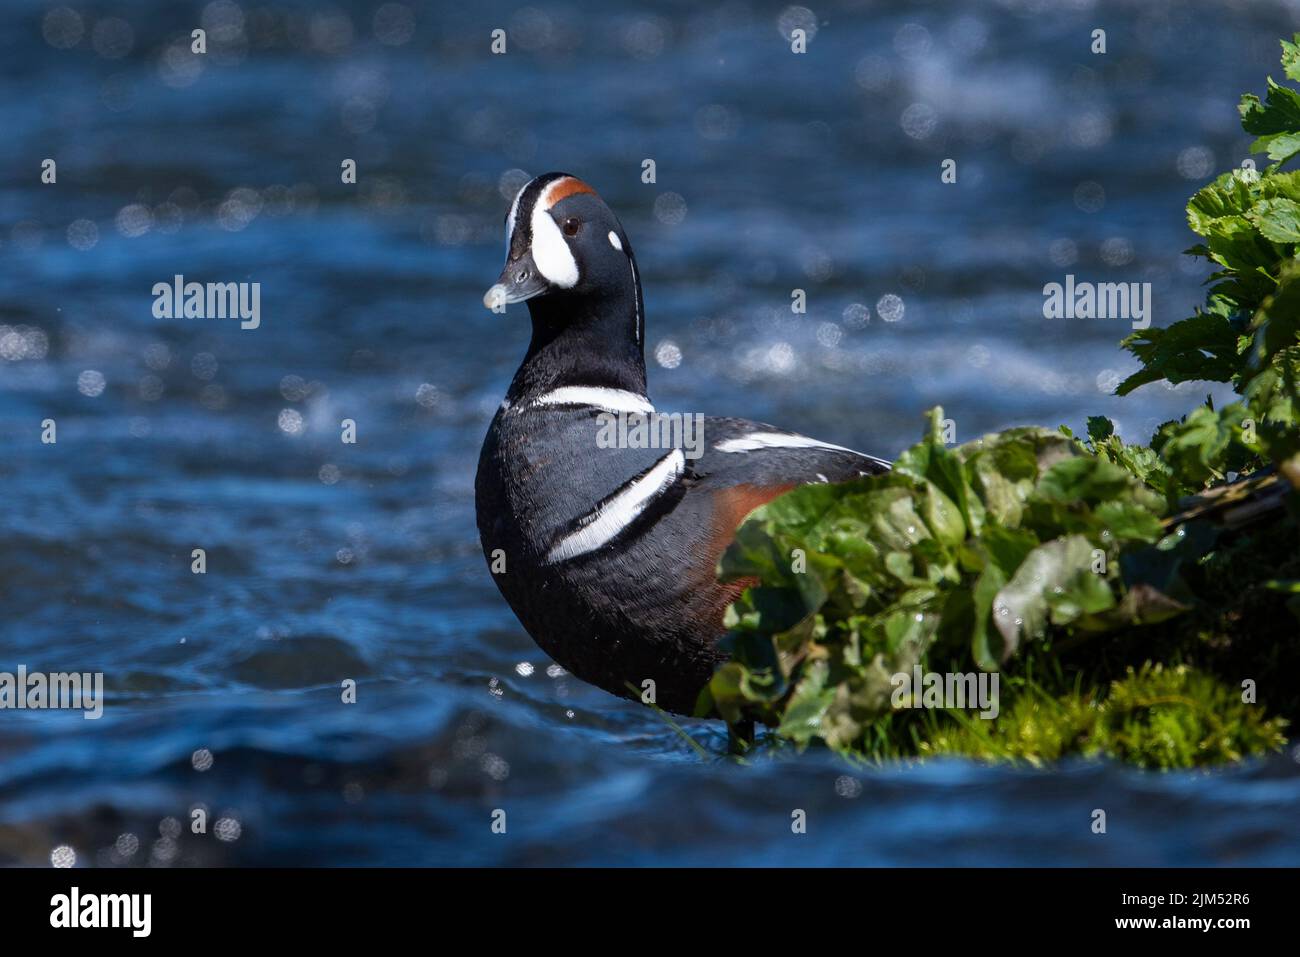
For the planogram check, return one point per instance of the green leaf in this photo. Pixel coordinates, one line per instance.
(987, 588)
(1227, 198)
(942, 516)
(1130, 522)
(1084, 479)
(808, 704)
(1141, 605)
(1277, 323)
(1280, 147)
(1279, 113)
(1278, 219)
(1057, 575)
(1291, 58)
(1205, 444)
(1203, 347)
(1100, 428)
(1007, 547)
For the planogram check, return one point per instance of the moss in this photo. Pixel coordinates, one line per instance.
(1153, 717)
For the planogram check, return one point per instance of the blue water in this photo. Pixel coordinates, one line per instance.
(328, 561)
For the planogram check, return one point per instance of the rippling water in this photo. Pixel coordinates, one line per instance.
(329, 561)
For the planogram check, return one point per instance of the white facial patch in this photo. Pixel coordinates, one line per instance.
(615, 241)
(551, 253)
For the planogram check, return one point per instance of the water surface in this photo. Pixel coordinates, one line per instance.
(328, 561)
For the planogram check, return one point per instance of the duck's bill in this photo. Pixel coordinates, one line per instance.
(519, 281)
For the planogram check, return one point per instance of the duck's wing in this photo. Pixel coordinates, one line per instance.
(684, 496)
(742, 465)
(738, 452)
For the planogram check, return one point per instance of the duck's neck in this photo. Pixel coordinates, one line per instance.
(584, 340)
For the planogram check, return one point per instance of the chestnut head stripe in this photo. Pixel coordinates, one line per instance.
(564, 188)
(519, 224)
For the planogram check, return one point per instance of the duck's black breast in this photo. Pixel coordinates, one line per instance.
(608, 554)
(616, 602)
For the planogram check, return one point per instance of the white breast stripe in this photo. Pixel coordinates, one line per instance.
(784, 440)
(613, 400)
(619, 510)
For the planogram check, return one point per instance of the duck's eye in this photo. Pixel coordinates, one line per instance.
(571, 226)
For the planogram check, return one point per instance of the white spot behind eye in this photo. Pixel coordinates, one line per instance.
(614, 241)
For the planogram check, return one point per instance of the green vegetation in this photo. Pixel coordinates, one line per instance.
(1136, 602)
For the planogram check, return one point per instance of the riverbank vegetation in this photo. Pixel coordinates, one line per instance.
(1140, 602)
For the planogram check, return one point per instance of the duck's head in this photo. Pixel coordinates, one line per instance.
(561, 240)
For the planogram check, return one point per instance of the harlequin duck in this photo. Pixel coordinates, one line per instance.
(608, 554)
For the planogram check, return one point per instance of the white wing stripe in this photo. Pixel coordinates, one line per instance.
(783, 440)
(613, 400)
(620, 510)
(775, 440)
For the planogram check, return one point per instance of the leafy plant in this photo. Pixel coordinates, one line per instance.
(1131, 598)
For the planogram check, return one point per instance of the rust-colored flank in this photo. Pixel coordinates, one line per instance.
(730, 507)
